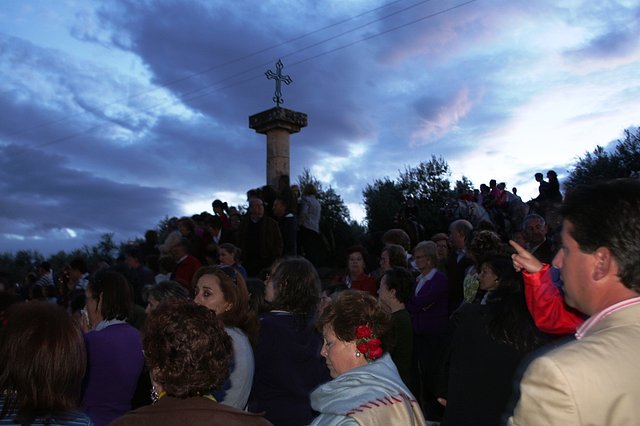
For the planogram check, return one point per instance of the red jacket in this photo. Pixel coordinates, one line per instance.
(546, 304)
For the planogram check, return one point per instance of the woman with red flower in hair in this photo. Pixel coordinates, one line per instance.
(366, 387)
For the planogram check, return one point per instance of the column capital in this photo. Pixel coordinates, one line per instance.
(278, 118)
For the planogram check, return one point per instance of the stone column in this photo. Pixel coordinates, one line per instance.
(277, 123)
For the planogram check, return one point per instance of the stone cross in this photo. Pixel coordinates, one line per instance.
(278, 77)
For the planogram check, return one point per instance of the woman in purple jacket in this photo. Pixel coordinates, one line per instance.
(114, 349)
(428, 307)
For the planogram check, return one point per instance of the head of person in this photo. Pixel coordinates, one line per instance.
(356, 261)
(228, 254)
(600, 249)
(535, 229)
(77, 268)
(310, 190)
(397, 236)
(356, 331)
(109, 297)
(538, 177)
(151, 236)
(180, 249)
(42, 361)
(164, 290)
(392, 255)
(425, 254)
(442, 243)
(460, 233)
(256, 208)
(224, 291)
(214, 225)
(186, 226)
(552, 175)
(294, 286)
(218, 207)
(186, 349)
(44, 268)
(330, 292)
(280, 207)
(484, 243)
(495, 271)
(395, 287)
(133, 257)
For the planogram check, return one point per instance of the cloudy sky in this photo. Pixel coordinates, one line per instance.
(115, 114)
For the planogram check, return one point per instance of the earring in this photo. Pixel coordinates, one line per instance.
(154, 395)
(358, 354)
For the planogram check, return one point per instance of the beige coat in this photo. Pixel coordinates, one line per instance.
(592, 381)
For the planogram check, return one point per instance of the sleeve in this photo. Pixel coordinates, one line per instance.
(431, 293)
(546, 397)
(546, 304)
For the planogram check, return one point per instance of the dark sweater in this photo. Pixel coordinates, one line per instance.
(288, 368)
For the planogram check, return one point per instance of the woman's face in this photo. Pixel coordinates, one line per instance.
(423, 262)
(151, 305)
(442, 249)
(488, 279)
(356, 264)
(209, 294)
(384, 261)
(340, 356)
(225, 257)
(93, 307)
(384, 295)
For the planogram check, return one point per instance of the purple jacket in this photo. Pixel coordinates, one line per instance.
(429, 308)
(114, 364)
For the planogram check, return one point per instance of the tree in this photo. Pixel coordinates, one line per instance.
(599, 165)
(382, 201)
(430, 186)
(463, 186)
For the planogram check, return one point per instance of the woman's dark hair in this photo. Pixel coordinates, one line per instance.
(235, 292)
(353, 308)
(186, 348)
(400, 280)
(257, 303)
(116, 294)
(397, 255)
(297, 286)
(510, 321)
(166, 290)
(42, 362)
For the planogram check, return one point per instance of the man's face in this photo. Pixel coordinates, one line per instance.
(575, 269)
(535, 231)
(278, 208)
(456, 238)
(256, 209)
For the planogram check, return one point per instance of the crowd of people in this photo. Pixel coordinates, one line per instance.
(225, 320)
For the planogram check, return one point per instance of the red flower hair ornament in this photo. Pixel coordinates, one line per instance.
(367, 343)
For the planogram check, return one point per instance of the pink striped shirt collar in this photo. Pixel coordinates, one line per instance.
(583, 330)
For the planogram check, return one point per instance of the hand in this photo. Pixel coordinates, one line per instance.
(522, 259)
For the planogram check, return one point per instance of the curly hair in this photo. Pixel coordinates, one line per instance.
(42, 361)
(353, 308)
(234, 290)
(297, 286)
(484, 243)
(186, 348)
